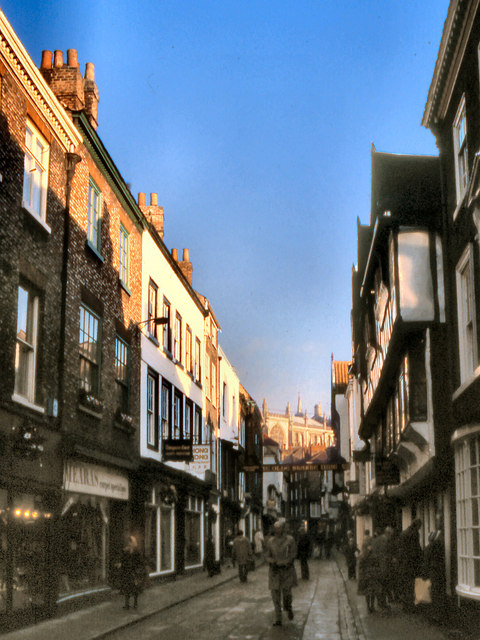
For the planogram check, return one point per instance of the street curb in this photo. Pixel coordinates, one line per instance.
(360, 630)
(150, 614)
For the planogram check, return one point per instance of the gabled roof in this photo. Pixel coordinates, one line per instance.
(340, 375)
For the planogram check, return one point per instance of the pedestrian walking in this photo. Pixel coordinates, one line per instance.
(210, 556)
(350, 551)
(258, 543)
(132, 572)
(280, 555)
(368, 582)
(304, 549)
(242, 554)
(229, 548)
(410, 558)
(434, 570)
(382, 550)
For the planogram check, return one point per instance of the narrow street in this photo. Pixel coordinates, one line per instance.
(244, 610)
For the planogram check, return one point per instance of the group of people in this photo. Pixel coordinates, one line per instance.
(388, 566)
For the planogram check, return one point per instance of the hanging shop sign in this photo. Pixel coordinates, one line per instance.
(177, 450)
(201, 460)
(81, 477)
(386, 472)
(353, 486)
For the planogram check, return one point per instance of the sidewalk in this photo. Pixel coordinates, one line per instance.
(396, 625)
(101, 620)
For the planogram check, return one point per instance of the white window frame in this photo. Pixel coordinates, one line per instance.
(152, 309)
(35, 173)
(93, 359)
(152, 434)
(177, 338)
(460, 150)
(188, 350)
(466, 311)
(467, 507)
(28, 343)
(94, 222)
(123, 256)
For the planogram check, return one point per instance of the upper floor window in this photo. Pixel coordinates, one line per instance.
(94, 215)
(35, 176)
(121, 373)
(224, 399)
(152, 310)
(26, 346)
(89, 348)
(460, 149)
(177, 415)
(123, 258)
(177, 346)
(188, 427)
(166, 409)
(167, 332)
(188, 350)
(213, 382)
(467, 328)
(197, 428)
(198, 362)
(152, 410)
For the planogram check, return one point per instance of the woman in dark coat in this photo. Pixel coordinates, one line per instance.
(132, 573)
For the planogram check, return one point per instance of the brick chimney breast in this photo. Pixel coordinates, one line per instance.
(186, 267)
(91, 94)
(153, 212)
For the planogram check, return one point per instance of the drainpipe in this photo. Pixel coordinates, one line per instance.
(71, 161)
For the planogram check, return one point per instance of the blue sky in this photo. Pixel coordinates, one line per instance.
(253, 122)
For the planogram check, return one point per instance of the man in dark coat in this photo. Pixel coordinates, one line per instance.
(304, 548)
(410, 557)
(242, 554)
(280, 554)
(132, 572)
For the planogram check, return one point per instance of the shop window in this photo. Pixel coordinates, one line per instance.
(467, 470)
(193, 532)
(83, 543)
(159, 536)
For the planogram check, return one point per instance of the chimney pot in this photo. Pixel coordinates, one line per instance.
(72, 58)
(90, 71)
(47, 57)
(186, 257)
(153, 199)
(141, 199)
(175, 255)
(58, 58)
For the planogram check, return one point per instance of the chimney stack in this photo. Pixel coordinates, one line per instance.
(65, 80)
(186, 267)
(174, 255)
(91, 94)
(153, 212)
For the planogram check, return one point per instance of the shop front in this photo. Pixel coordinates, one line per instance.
(159, 530)
(92, 527)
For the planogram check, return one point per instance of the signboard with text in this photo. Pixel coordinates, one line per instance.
(177, 450)
(201, 460)
(334, 466)
(81, 477)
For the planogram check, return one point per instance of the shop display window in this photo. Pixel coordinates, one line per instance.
(193, 532)
(159, 528)
(83, 550)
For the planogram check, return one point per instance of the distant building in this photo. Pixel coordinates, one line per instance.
(291, 430)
